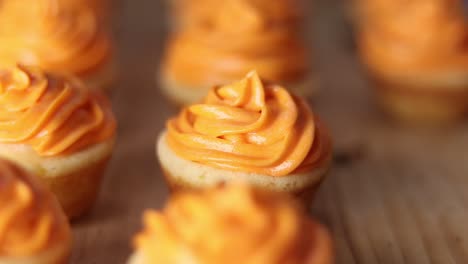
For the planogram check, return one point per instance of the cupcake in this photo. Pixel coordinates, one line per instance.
(224, 41)
(60, 36)
(33, 228)
(416, 53)
(249, 131)
(183, 13)
(59, 130)
(101, 8)
(233, 224)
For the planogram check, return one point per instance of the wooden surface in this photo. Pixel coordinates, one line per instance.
(397, 194)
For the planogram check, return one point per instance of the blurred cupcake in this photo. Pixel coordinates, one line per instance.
(61, 36)
(249, 131)
(33, 228)
(417, 55)
(57, 129)
(224, 41)
(184, 13)
(101, 8)
(231, 225)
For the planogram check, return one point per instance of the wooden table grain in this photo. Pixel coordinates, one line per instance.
(397, 193)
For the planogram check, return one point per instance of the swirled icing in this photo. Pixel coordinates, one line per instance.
(56, 35)
(52, 114)
(234, 224)
(235, 37)
(416, 36)
(30, 218)
(197, 12)
(250, 126)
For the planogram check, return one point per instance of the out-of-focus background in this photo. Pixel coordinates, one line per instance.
(397, 193)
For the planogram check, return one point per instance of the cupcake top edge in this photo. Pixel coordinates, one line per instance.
(53, 114)
(250, 126)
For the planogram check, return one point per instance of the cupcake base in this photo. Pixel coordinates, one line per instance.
(77, 191)
(418, 104)
(181, 174)
(182, 94)
(74, 179)
(176, 184)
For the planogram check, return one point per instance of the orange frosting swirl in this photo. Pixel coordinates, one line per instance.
(235, 37)
(30, 219)
(231, 225)
(198, 12)
(419, 36)
(52, 114)
(56, 35)
(101, 8)
(250, 126)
